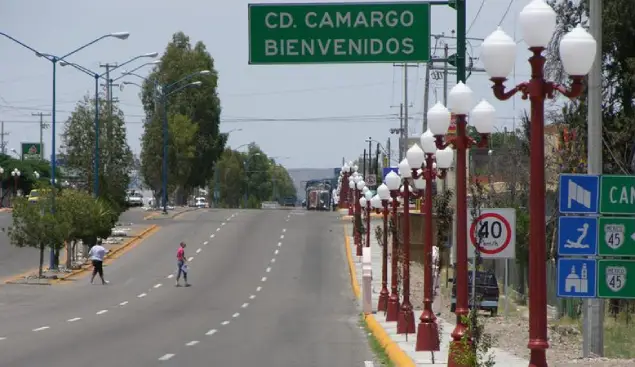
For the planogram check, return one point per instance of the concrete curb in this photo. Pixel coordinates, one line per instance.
(159, 215)
(111, 255)
(396, 354)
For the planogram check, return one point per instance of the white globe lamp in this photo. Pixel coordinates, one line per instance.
(439, 119)
(577, 51)
(428, 141)
(482, 117)
(415, 156)
(383, 191)
(498, 53)
(537, 23)
(361, 185)
(404, 169)
(444, 158)
(362, 202)
(460, 99)
(393, 181)
(375, 202)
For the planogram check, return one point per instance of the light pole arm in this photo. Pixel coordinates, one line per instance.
(84, 46)
(38, 53)
(185, 78)
(178, 89)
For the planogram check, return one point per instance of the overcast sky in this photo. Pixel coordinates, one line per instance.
(361, 96)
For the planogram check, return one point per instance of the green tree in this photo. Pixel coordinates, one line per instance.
(115, 154)
(181, 150)
(258, 178)
(283, 183)
(230, 178)
(201, 105)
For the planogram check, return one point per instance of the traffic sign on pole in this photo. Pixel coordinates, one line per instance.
(577, 236)
(371, 179)
(617, 195)
(579, 194)
(577, 278)
(614, 280)
(617, 236)
(494, 231)
(339, 32)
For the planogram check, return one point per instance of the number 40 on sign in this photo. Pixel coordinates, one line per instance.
(494, 232)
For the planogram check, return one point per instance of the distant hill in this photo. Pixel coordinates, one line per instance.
(301, 175)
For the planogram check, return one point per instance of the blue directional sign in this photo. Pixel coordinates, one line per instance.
(579, 194)
(577, 236)
(577, 278)
(387, 170)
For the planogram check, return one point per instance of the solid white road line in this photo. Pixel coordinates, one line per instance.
(192, 343)
(264, 279)
(236, 315)
(101, 312)
(157, 285)
(211, 332)
(123, 303)
(258, 289)
(268, 269)
(2, 338)
(165, 357)
(252, 296)
(74, 319)
(224, 323)
(141, 295)
(245, 305)
(170, 276)
(42, 328)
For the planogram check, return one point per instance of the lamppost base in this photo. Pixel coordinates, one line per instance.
(350, 210)
(382, 303)
(428, 337)
(392, 313)
(406, 321)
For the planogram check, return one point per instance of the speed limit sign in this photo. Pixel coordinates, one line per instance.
(494, 232)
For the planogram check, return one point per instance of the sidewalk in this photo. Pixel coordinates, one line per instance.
(407, 343)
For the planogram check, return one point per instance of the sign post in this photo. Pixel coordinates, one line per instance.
(31, 151)
(494, 231)
(339, 33)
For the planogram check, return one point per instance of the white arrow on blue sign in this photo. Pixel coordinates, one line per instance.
(577, 236)
(579, 194)
(577, 278)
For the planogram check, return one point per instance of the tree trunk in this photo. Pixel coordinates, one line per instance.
(41, 260)
(69, 254)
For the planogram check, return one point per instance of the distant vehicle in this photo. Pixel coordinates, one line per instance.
(34, 196)
(289, 201)
(201, 202)
(134, 199)
(487, 292)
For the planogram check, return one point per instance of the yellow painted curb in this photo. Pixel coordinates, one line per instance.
(396, 355)
(158, 214)
(112, 255)
(351, 266)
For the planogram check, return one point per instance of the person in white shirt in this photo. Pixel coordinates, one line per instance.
(96, 255)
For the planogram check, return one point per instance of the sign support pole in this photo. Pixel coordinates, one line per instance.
(593, 322)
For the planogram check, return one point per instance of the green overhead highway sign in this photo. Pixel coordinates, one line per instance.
(617, 194)
(617, 236)
(616, 279)
(339, 33)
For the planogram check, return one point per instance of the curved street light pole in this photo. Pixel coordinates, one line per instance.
(54, 60)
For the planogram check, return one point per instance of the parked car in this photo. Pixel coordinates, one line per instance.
(34, 195)
(201, 202)
(135, 199)
(487, 292)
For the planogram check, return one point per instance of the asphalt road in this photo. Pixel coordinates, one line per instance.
(269, 288)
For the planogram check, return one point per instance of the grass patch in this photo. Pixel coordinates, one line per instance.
(619, 336)
(375, 346)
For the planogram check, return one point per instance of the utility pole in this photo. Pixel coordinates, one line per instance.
(42, 127)
(3, 143)
(405, 131)
(426, 97)
(593, 328)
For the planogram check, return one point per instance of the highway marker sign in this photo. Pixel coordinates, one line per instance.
(577, 278)
(577, 236)
(617, 195)
(579, 194)
(616, 279)
(616, 236)
(494, 231)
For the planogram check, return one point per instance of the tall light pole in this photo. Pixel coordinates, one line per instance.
(577, 53)
(393, 181)
(383, 194)
(54, 60)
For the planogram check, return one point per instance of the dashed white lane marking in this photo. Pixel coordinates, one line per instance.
(284, 230)
(224, 323)
(101, 312)
(165, 357)
(41, 328)
(157, 285)
(123, 303)
(217, 229)
(211, 332)
(279, 244)
(190, 258)
(211, 236)
(236, 315)
(192, 343)
(141, 295)
(170, 276)
(2, 338)
(369, 364)
(276, 252)
(245, 305)
(222, 224)
(252, 296)
(74, 319)
(273, 260)
(268, 269)
(281, 236)
(198, 251)
(205, 243)
(264, 279)
(258, 289)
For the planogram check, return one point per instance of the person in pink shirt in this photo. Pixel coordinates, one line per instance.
(181, 262)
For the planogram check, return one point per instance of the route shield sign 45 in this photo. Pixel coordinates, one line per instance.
(617, 236)
(616, 279)
(494, 231)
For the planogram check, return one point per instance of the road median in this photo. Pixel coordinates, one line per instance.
(156, 215)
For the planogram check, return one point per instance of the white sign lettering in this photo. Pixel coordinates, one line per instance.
(620, 195)
(372, 46)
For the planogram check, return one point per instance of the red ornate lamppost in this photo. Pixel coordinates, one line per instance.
(577, 53)
(393, 181)
(380, 202)
(406, 319)
(359, 185)
(365, 204)
(344, 187)
(460, 102)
